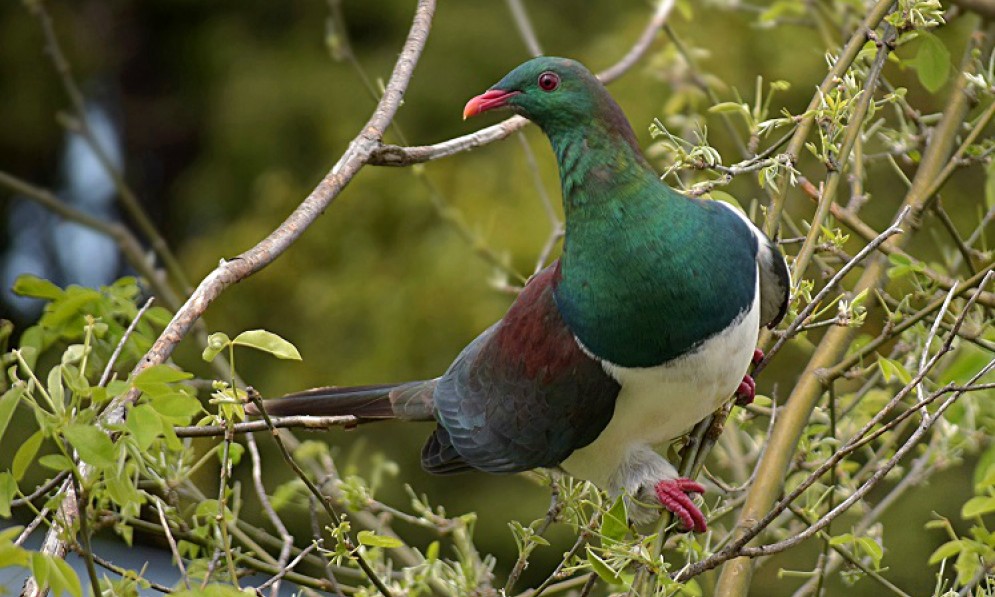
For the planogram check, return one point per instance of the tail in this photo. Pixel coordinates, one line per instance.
(409, 401)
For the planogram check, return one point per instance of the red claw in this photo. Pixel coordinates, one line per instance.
(758, 355)
(673, 495)
(746, 391)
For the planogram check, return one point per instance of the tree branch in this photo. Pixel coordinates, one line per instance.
(395, 155)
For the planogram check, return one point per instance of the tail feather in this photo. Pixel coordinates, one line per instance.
(411, 401)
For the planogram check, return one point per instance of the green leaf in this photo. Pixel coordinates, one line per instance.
(122, 490)
(55, 389)
(56, 462)
(373, 540)
(892, 369)
(7, 535)
(40, 567)
(268, 342)
(8, 488)
(11, 555)
(62, 578)
(35, 287)
(176, 405)
(729, 108)
(872, 549)
(159, 374)
(977, 506)
(25, 455)
(8, 402)
(93, 445)
(932, 62)
(615, 522)
(216, 342)
(144, 424)
(602, 569)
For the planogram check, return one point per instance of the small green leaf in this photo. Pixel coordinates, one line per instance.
(62, 578)
(11, 555)
(978, 506)
(615, 522)
(144, 424)
(56, 462)
(159, 374)
(93, 445)
(8, 402)
(55, 389)
(74, 354)
(268, 342)
(235, 451)
(35, 287)
(729, 108)
(40, 567)
(932, 62)
(872, 549)
(25, 455)
(8, 488)
(216, 342)
(602, 568)
(176, 405)
(373, 540)
(892, 369)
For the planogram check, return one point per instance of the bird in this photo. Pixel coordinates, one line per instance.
(645, 325)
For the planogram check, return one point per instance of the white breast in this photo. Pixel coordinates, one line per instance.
(658, 404)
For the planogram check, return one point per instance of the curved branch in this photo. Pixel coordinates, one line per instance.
(396, 155)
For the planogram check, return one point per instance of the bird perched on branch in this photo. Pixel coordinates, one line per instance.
(646, 324)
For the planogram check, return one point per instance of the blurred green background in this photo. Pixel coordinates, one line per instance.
(228, 113)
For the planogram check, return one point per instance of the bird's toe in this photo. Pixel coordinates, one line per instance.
(673, 495)
(746, 391)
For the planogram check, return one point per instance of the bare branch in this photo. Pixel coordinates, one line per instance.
(395, 155)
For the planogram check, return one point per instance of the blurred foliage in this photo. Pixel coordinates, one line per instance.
(230, 112)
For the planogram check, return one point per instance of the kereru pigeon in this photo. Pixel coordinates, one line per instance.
(646, 324)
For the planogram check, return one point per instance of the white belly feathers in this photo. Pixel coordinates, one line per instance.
(658, 404)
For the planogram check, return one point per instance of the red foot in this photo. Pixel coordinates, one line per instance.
(746, 391)
(758, 355)
(673, 495)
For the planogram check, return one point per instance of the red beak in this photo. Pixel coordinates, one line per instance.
(488, 100)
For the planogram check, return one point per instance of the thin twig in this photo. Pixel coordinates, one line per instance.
(525, 28)
(294, 422)
(281, 529)
(123, 572)
(106, 375)
(172, 544)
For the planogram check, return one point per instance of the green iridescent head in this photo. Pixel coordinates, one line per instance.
(552, 92)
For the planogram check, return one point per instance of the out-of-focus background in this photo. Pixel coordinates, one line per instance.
(225, 114)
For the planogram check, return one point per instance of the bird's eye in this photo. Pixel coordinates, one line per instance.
(548, 81)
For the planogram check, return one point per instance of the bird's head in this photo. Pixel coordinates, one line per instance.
(549, 91)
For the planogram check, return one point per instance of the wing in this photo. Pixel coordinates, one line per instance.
(522, 395)
(775, 281)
